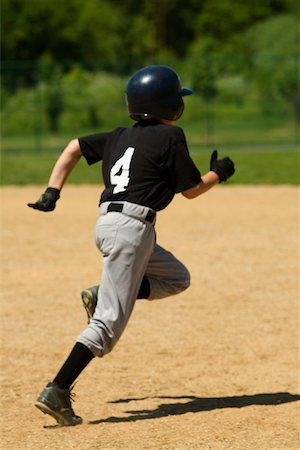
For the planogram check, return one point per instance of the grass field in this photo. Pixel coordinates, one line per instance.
(264, 147)
(252, 167)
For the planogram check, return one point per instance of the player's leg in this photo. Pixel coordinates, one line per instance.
(126, 249)
(166, 274)
(127, 246)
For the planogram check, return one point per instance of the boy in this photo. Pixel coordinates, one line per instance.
(143, 167)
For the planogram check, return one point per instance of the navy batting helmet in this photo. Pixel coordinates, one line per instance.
(155, 92)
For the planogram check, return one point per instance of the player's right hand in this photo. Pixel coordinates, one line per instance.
(224, 167)
(47, 200)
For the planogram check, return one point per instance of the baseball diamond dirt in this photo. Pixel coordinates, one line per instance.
(213, 368)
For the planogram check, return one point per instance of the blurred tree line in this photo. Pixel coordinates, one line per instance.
(222, 47)
(121, 33)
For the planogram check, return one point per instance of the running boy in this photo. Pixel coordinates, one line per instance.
(143, 167)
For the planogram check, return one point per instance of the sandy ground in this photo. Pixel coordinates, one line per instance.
(215, 367)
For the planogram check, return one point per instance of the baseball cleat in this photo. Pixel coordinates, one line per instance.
(57, 403)
(89, 300)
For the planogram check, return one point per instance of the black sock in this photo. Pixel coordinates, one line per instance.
(78, 359)
(144, 291)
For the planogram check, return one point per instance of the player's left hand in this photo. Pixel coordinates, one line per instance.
(47, 200)
(224, 167)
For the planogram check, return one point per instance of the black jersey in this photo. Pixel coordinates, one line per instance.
(145, 164)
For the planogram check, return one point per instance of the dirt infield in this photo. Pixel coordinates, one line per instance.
(215, 367)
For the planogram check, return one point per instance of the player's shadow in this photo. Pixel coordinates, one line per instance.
(197, 404)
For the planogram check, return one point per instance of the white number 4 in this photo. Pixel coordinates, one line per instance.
(119, 173)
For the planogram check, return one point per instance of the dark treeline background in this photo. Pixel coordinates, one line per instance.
(110, 32)
(58, 55)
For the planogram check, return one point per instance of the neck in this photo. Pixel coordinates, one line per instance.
(166, 121)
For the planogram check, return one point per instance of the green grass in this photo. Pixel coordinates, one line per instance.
(237, 130)
(252, 167)
(35, 169)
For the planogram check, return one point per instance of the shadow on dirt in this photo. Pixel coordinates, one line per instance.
(197, 404)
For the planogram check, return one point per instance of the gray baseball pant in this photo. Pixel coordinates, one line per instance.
(128, 245)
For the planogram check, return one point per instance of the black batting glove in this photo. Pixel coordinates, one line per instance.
(47, 200)
(224, 168)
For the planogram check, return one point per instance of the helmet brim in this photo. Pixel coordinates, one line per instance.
(185, 91)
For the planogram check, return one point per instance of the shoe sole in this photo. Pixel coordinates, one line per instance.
(59, 419)
(87, 301)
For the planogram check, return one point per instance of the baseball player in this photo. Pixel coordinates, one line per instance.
(143, 167)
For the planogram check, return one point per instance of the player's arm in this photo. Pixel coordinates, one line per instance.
(65, 164)
(220, 170)
(63, 167)
(208, 180)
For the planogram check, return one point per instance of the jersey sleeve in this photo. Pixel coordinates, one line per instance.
(92, 146)
(182, 169)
